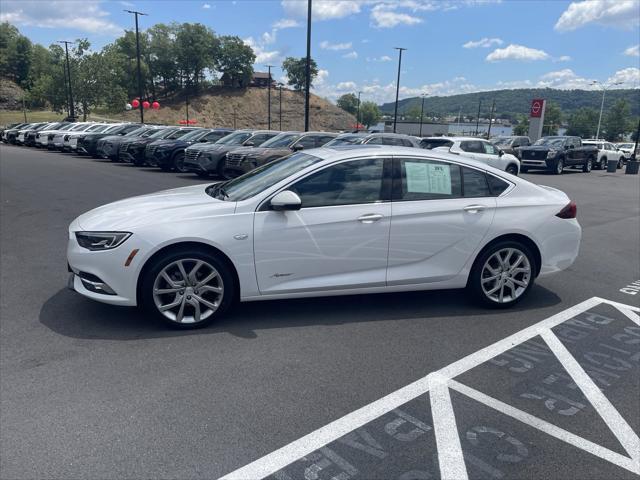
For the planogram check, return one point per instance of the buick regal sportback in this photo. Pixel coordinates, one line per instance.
(327, 221)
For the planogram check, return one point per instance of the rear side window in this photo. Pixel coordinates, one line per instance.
(407, 143)
(422, 179)
(308, 141)
(475, 183)
(496, 185)
(261, 138)
(323, 139)
(472, 146)
(215, 136)
(374, 141)
(392, 141)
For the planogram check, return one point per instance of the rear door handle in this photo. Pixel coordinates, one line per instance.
(370, 218)
(474, 208)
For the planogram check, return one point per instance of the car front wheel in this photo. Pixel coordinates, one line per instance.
(512, 169)
(502, 275)
(559, 167)
(588, 165)
(187, 289)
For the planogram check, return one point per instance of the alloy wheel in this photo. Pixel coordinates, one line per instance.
(505, 275)
(559, 167)
(188, 291)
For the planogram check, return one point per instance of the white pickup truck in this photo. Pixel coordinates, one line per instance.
(606, 152)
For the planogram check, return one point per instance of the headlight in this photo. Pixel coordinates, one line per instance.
(551, 153)
(101, 240)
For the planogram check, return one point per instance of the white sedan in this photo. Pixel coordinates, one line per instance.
(328, 221)
(476, 148)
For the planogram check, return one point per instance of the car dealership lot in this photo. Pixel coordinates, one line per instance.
(93, 391)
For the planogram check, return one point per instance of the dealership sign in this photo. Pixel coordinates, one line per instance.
(536, 118)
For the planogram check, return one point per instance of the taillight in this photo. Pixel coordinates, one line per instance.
(569, 211)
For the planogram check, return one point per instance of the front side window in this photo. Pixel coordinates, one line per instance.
(392, 141)
(423, 179)
(281, 141)
(323, 140)
(472, 146)
(215, 136)
(259, 138)
(489, 149)
(306, 142)
(377, 140)
(347, 183)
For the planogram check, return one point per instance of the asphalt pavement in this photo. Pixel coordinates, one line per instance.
(94, 391)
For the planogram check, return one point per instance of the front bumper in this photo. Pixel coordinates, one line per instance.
(158, 158)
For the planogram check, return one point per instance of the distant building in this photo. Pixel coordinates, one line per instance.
(259, 79)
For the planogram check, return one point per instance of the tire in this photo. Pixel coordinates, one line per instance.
(178, 162)
(588, 165)
(559, 167)
(211, 304)
(512, 169)
(220, 168)
(486, 266)
(620, 163)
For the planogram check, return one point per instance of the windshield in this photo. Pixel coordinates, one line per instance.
(195, 135)
(177, 134)
(261, 178)
(279, 141)
(346, 140)
(98, 128)
(501, 141)
(237, 138)
(114, 128)
(137, 132)
(162, 133)
(550, 141)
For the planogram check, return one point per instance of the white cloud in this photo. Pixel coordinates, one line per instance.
(262, 54)
(126, 4)
(383, 58)
(60, 14)
(286, 23)
(517, 52)
(206, 6)
(613, 13)
(633, 51)
(351, 55)
(325, 45)
(562, 58)
(630, 78)
(321, 79)
(269, 37)
(342, 86)
(384, 16)
(322, 9)
(483, 43)
(564, 79)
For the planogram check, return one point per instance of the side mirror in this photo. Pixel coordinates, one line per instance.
(297, 148)
(286, 200)
(249, 144)
(500, 153)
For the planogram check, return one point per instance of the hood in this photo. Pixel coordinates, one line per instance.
(168, 206)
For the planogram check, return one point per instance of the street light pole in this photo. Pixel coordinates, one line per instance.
(395, 111)
(72, 110)
(604, 90)
(358, 114)
(493, 106)
(307, 69)
(138, 62)
(280, 106)
(422, 113)
(269, 98)
(478, 117)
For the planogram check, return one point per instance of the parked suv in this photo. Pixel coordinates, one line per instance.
(607, 152)
(32, 135)
(476, 148)
(510, 144)
(134, 150)
(245, 159)
(208, 158)
(107, 147)
(556, 152)
(88, 143)
(169, 154)
(363, 138)
(626, 149)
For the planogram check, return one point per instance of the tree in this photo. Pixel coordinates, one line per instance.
(583, 123)
(349, 103)
(616, 122)
(369, 113)
(235, 59)
(522, 125)
(295, 69)
(552, 119)
(162, 55)
(196, 48)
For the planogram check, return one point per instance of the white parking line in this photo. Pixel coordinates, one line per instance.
(449, 459)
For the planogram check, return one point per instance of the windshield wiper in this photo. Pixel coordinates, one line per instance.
(217, 189)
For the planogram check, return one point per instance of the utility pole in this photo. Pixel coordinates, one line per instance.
(634, 155)
(186, 99)
(269, 99)
(307, 69)
(72, 110)
(358, 114)
(138, 60)
(493, 106)
(459, 115)
(422, 113)
(24, 110)
(280, 85)
(395, 112)
(604, 88)
(478, 117)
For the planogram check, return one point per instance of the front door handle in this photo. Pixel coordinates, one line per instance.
(370, 218)
(474, 208)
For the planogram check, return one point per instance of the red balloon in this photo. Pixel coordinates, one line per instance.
(145, 104)
(155, 105)
(135, 103)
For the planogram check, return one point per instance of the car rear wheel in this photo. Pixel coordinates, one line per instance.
(187, 289)
(602, 164)
(588, 165)
(559, 167)
(502, 274)
(178, 162)
(620, 162)
(512, 169)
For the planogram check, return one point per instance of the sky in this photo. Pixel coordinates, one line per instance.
(453, 46)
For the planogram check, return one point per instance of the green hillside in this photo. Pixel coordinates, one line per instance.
(512, 102)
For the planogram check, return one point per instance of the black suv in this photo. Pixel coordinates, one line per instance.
(169, 154)
(88, 143)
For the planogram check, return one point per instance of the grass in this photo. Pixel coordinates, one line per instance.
(13, 116)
